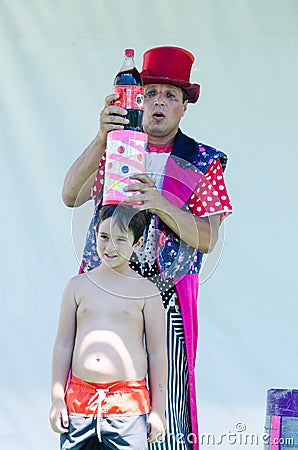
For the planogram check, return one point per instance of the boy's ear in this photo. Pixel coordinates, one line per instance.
(138, 244)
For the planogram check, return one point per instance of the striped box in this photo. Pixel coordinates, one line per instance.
(125, 155)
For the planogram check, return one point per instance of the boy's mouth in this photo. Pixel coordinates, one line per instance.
(110, 256)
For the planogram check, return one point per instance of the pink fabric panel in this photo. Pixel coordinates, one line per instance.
(187, 289)
(179, 183)
(275, 433)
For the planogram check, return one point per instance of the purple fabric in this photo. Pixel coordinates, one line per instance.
(282, 402)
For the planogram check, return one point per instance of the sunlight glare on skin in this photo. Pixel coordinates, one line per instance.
(106, 337)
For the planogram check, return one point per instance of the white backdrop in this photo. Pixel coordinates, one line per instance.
(58, 60)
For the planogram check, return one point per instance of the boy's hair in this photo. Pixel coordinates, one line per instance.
(126, 216)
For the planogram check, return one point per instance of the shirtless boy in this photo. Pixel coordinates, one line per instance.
(105, 316)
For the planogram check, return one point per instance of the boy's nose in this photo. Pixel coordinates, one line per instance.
(110, 244)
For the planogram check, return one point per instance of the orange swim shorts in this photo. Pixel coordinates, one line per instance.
(122, 397)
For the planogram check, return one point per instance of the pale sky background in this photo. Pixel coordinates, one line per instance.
(58, 61)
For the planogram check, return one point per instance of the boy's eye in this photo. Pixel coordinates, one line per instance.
(104, 237)
(122, 240)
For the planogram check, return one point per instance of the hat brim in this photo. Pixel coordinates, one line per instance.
(192, 89)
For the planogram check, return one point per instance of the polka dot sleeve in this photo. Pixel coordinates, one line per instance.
(99, 180)
(210, 196)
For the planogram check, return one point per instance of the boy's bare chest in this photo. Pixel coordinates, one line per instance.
(105, 306)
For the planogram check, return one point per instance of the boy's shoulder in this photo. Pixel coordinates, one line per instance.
(78, 286)
(140, 286)
(78, 280)
(148, 287)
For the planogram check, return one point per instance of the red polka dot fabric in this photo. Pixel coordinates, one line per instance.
(99, 179)
(210, 196)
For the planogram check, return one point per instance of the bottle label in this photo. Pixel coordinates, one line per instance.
(131, 96)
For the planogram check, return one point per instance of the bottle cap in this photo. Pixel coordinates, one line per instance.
(129, 52)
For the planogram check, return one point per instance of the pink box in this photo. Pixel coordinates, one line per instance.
(125, 155)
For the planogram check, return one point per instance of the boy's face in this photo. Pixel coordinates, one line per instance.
(115, 246)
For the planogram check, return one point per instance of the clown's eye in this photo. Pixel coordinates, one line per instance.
(149, 94)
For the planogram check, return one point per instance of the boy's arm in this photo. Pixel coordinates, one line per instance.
(156, 347)
(61, 358)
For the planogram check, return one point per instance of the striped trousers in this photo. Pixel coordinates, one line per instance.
(178, 417)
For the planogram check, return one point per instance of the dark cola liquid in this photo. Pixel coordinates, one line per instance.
(135, 116)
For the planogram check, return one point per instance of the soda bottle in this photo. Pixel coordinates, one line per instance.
(129, 85)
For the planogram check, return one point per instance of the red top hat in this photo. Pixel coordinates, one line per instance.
(170, 65)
